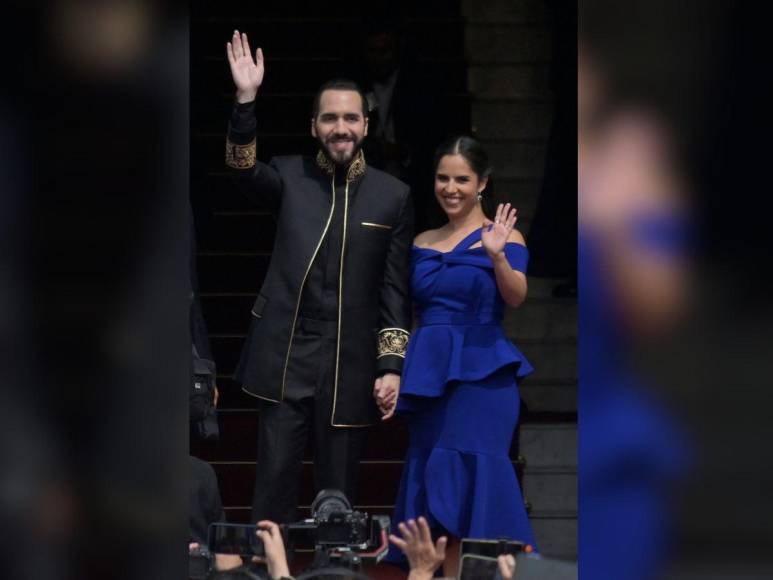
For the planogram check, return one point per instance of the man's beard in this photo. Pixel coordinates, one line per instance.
(340, 157)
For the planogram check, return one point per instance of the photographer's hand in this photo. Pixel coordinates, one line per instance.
(423, 556)
(222, 562)
(506, 566)
(274, 547)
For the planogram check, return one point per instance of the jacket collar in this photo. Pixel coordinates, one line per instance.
(356, 167)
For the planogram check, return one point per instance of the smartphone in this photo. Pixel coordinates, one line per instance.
(475, 567)
(237, 539)
(529, 567)
(492, 548)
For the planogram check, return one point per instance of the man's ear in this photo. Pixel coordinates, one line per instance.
(313, 128)
(365, 134)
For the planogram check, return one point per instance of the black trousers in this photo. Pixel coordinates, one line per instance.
(284, 428)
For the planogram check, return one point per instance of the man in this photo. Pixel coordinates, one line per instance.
(329, 322)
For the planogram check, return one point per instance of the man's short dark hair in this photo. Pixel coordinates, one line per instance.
(339, 85)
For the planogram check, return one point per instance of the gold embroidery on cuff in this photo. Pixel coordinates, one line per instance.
(372, 225)
(392, 341)
(240, 156)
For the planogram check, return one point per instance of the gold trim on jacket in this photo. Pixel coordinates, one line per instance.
(300, 292)
(392, 341)
(355, 170)
(240, 156)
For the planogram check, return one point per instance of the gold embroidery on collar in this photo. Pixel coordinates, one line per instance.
(240, 156)
(392, 341)
(356, 167)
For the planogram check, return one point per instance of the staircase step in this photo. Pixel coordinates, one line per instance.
(550, 492)
(511, 120)
(523, 11)
(245, 231)
(556, 535)
(291, 113)
(549, 445)
(509, 43)
(331, 36)
(211, 76)
(549, 398)
(300, 10)
(239, 435)
(509, 81)
(553, 360)
(516, 159)
(521, 192)
(542, 318)
(540, 287)
(379, 482)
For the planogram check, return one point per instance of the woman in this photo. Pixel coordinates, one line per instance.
(459, 381)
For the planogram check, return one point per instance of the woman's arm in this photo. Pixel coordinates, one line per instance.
(511, 283)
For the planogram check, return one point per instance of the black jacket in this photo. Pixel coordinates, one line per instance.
(374, 306)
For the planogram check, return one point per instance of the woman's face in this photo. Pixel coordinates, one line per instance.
(457, 185)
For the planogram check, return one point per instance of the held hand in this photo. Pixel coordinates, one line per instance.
(495, 234)
(247, 74)
(423, 556)
(386, 391)
(274, 547)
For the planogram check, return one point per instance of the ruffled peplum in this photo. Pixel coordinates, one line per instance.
(468, 495)
(442, 354)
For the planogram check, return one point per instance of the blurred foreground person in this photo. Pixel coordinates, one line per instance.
(633, 267)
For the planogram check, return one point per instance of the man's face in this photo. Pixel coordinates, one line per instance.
(340, 126)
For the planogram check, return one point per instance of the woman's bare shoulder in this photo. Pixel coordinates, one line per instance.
(426, 238)
(516, 237)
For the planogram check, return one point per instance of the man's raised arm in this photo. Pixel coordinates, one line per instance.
(259, 181)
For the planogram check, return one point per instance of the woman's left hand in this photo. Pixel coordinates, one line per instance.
(495, 234)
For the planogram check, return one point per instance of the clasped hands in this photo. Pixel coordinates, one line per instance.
(386, 390)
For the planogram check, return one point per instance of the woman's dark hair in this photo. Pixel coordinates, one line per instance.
(474, 154)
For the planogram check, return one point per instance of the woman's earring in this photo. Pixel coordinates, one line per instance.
(480, 197)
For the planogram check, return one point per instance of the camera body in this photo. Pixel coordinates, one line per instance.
(339, 535)
(336, 523)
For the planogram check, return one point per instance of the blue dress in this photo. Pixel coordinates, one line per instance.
(460, 396)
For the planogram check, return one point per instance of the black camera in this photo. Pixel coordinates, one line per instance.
(336, 523)
(339, 535)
